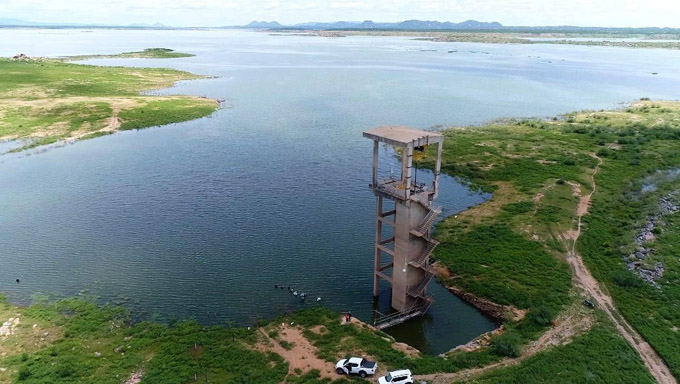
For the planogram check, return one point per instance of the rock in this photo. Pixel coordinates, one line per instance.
(118, 349)
(97, 354)
(46, 334)
(646, 234)
(3, 369)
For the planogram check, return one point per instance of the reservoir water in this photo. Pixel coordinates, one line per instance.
(201, 219)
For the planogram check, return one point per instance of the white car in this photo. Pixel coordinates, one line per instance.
(356, 366)
(400, 377)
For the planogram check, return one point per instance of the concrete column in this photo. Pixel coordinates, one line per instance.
(409, 169)
(437, 169)
(376, 148)
(378, 239)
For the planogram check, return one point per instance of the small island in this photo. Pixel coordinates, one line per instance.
(46, 101)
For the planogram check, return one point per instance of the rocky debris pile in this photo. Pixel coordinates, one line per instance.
(643, 252)
(667, 206)
(651, 275)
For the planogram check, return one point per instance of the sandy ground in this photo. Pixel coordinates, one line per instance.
(303, 354)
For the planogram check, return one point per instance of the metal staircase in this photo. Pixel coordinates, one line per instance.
(428, 220)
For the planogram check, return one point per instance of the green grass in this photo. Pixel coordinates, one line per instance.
(505, 267)
(162, 112)
(511, 250)
(600, 356)
(617, 213)
(93, 344)
(149, 53)
(46, 101)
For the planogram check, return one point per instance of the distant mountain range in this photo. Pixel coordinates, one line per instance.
(425, 25)
(409, 25)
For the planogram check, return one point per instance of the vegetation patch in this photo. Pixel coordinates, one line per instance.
(505, 267)
(45, 101)
(600, 356)
(75, 340)
(514, 250)
(149, 53)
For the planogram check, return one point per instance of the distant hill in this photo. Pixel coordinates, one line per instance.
(263, 25)
(16, 22)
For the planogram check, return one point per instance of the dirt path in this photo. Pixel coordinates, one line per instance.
(301, 355)
(568, 326)
(135, 378)
(564, 330)
(590, 285)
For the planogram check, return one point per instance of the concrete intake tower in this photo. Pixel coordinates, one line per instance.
(403, 259)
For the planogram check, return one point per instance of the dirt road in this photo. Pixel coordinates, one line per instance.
(590, 285)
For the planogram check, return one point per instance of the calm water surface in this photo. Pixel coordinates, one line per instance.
(202, 219)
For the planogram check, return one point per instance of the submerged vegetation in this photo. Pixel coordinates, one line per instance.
(46, 100)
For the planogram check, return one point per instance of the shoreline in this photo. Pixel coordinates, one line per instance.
(496, 37)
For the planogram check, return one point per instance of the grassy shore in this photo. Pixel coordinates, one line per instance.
(77, 341)
(43, 101)
(513, 249)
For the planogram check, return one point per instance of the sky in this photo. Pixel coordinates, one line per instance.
(604, 13)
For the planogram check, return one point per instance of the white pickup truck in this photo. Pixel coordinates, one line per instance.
(356, 366)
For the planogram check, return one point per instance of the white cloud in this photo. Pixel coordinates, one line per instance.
(273, 4)
(350, 4)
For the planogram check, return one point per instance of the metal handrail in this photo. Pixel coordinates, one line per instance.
(425, 255)
(418, 290)
(386, 318)
(427, 221)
